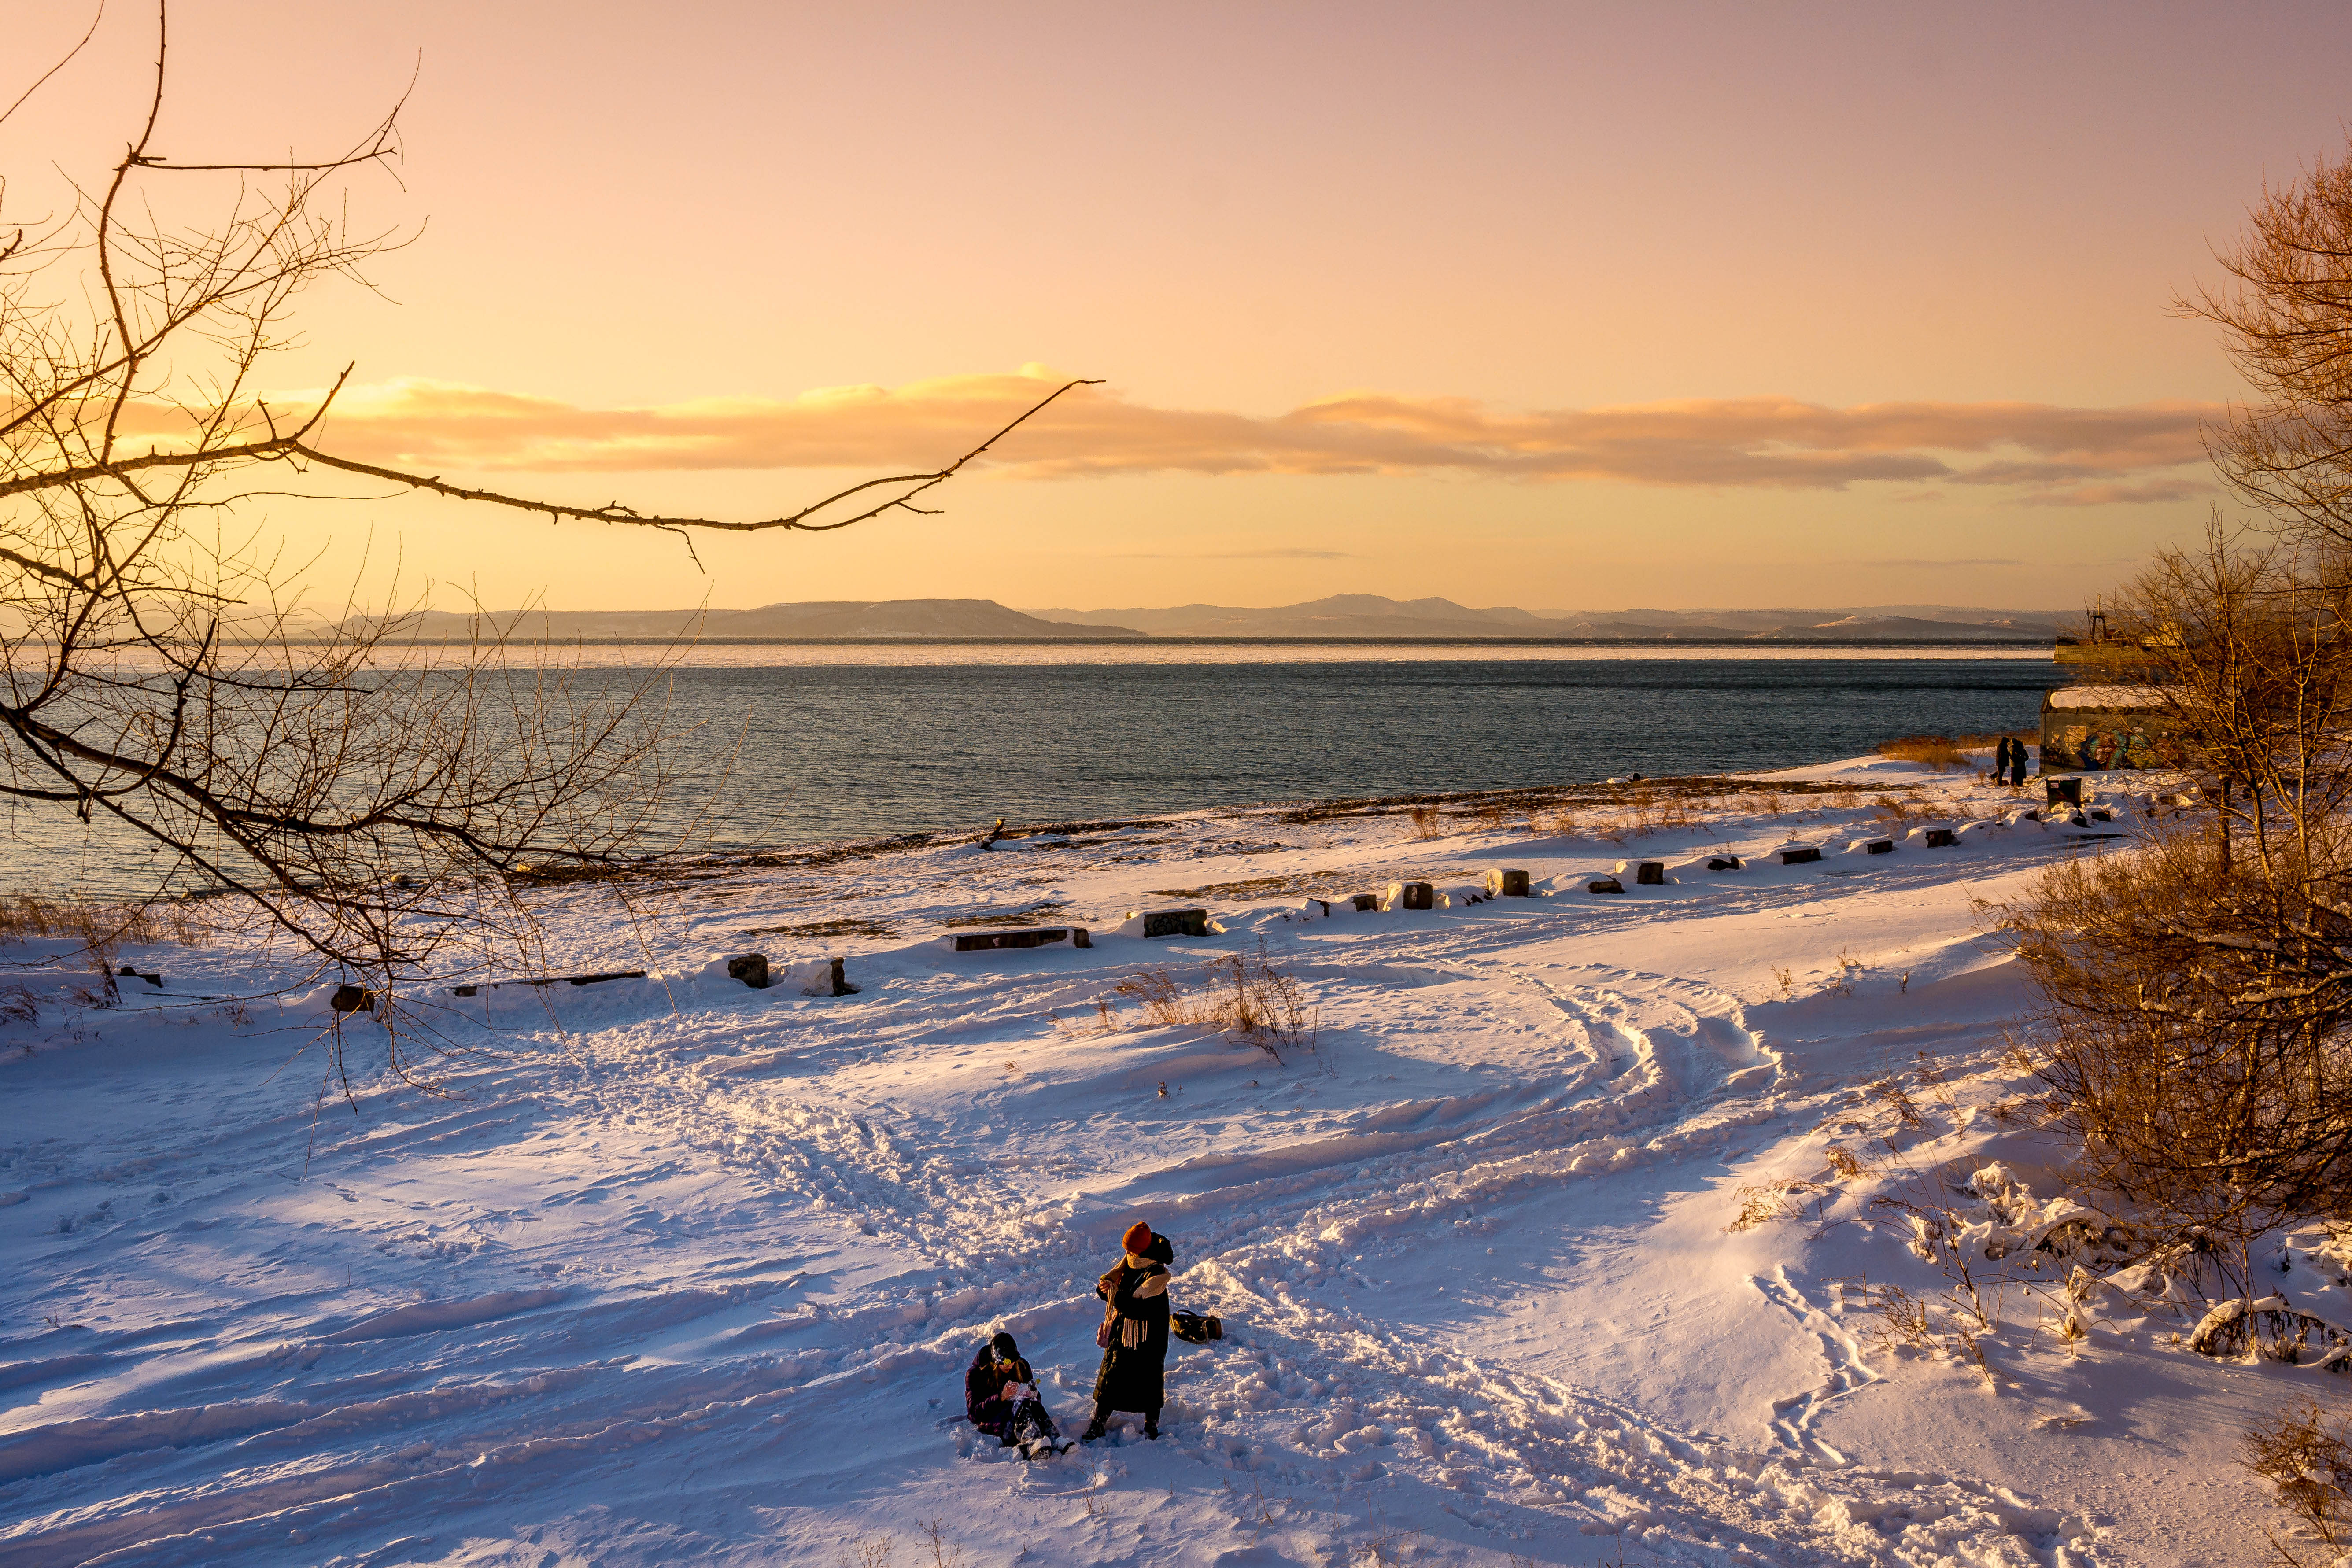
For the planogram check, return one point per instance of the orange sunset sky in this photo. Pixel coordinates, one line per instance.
(1560, 307)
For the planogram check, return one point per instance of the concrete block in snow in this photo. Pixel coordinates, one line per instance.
(1002, 941)
(1507, 884)
(1170, 923)
(1410, 896)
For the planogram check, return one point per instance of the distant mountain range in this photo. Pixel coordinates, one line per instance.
(944, 619)
(1340, 616)
(1370, 615)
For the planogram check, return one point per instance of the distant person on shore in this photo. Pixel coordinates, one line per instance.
(2017, 763)
(1134, 1333)
(2001, 762)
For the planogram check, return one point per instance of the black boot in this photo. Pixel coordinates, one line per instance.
(1097, 1426)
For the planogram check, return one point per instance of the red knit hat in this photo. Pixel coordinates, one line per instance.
(1137, 1237)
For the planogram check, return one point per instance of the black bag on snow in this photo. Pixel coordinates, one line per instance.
(1195, 1329)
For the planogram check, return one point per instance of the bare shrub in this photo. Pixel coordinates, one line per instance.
(1493, 817)
(1932, 750)
(2305, 1455)
(1901, 808)
(1902, 1319)
(2192, 1025)
(944, 1553)
(1427, 822)
(873, 1551)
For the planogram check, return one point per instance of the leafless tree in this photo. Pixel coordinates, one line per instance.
(368, 798)
(2196, 995)
(2286, 321)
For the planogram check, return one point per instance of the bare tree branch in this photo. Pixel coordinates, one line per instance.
(369, 800)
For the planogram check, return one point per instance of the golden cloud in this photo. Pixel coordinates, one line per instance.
(2038, 452)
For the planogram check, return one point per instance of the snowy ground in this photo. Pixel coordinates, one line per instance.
(678, 1271)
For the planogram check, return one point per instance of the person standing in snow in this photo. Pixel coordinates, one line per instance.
(1134, 1334)
(2001, 762)
(1000, 1394)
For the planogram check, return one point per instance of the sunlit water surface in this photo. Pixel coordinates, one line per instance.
(786, 744)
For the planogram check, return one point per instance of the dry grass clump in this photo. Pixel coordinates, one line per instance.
(1934, 750)
(102, 928)
(1652, 812)
(1765, 1202)
(1902, 808)
(1243, 995)
(1428, 822)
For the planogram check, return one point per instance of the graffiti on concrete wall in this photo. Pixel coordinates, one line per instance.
(2106, 740)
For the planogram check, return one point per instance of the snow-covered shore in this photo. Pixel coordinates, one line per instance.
(676, 1270)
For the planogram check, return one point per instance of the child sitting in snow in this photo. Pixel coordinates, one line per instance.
(1000, 1394)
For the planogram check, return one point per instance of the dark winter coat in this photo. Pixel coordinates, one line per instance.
(1131, 1378)
(980, 1386)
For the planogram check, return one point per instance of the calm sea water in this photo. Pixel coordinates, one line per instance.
(789, 752)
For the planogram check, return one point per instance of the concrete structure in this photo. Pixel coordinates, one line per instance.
(2089, 729)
